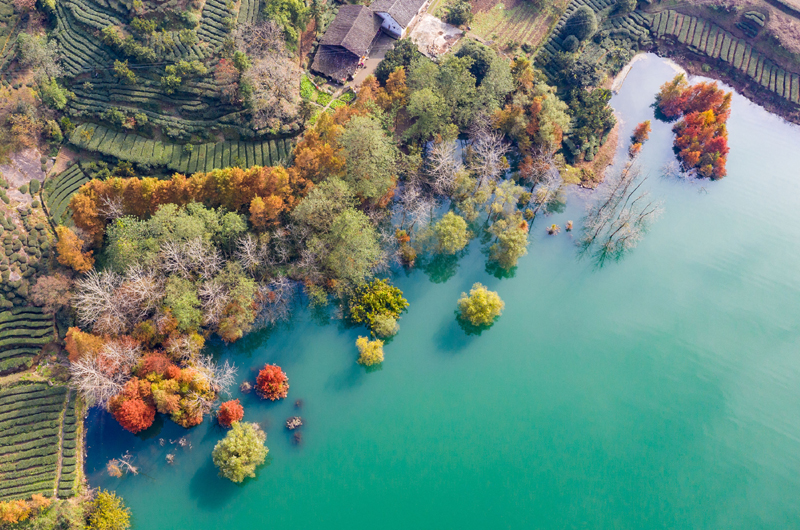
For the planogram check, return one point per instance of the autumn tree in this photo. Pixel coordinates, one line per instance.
(70, 250)
(272, 383)
(378, 304)
(229, 412)
(671, 97)
(370, 352)
(108, 512)
(134, 408)
(481, 307)
(511, 241)
(52, 292)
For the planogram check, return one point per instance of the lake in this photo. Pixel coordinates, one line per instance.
(662, 391)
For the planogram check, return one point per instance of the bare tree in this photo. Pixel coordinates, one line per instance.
(110, 207)
(443, 164)
(190, 259)
(276, 301)
(214, 298)
(220, 377)
(275, 96)
(260, 39)
(100, 377)
(618, 220)
(487, 155)
(95, 295)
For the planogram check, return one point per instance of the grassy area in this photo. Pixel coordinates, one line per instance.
(511, 23)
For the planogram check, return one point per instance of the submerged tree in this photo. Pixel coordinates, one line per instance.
(480, 307)
(241, 451)
(617, 221)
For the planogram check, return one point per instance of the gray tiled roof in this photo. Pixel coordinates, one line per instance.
(402, 11)
(354, 28)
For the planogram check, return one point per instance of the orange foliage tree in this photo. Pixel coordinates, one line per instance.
(229, 412)
(79, 344)
(701, 136)
(70, 250)
(272, 383)
(133, 408)
(233, 189)
(640, 135)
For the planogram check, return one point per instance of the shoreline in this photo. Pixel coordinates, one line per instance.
(692, 64)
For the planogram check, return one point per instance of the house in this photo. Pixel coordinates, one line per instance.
(397, 15)
(349, 38)
(346, 42)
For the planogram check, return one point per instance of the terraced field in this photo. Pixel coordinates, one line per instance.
(709, 40)
(204, 157)
(633, 27)
(23, 332)
(519, 23)
(8, 32)
(26, 252)
(59, 190)
(32, 458)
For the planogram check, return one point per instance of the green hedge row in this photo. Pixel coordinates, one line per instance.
(716, 43)
(50, 448)
(197, 158)
(23, 492)
(30, 422)
(28, 463)
(27, 441)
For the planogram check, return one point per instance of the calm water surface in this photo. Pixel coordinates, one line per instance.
(659, 392)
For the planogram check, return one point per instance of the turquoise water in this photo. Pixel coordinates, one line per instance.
(662, 391)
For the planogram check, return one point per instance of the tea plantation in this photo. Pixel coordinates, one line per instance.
(38, 441)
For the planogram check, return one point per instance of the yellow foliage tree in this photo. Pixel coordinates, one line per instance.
(70, 250)
(370, 351)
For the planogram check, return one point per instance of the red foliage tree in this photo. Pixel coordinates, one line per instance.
(641, 133)
(133, 408)
(135, 415)
(701, 136)
(272, 383)
(229, 412)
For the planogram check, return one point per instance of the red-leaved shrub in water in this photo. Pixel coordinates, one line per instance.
(272, 383)
(229, 412)
(701, 136)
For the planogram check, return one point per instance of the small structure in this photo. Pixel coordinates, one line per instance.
(398, 15)
(346, 42)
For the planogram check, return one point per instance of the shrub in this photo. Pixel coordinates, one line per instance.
(229, 412)
(108, 512)
(481, 307)
(582, 24)
(34, 186)
(272, 383)
(23, 189)
(385, 326)
(376, 299)
(571, 43)
(240, 452)
(370, 352)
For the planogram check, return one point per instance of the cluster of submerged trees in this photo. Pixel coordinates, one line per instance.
(163, 264)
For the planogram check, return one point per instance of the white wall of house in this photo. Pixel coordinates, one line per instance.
(391, 26)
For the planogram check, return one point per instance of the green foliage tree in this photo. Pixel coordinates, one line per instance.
(511, 243)
(374, 300)
(241, 451)
(451, 234)
(625, 6)
(320, 208)
(291, 15)
(181, 299)
(53, 95)
(371, 158)
(431, 115)
(241, 61)
(460, 13)
(403, 54)
(108, 512)
(124, 73)
(481, 307)
(352, 247)
(582, 23)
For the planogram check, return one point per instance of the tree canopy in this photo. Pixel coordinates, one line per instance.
(241, 451)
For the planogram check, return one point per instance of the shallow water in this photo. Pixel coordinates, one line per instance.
(662, 391)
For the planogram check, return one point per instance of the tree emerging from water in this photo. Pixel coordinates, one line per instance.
(619, 218)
